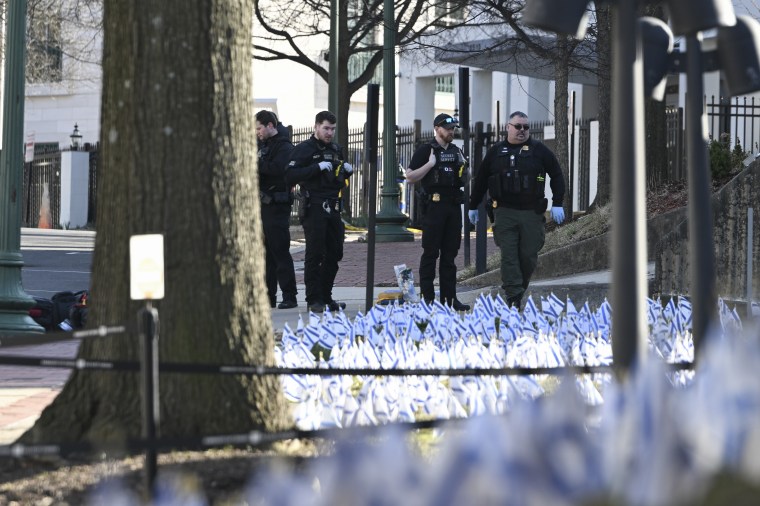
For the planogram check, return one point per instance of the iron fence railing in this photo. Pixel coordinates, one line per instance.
(735, 120)
(41, 195)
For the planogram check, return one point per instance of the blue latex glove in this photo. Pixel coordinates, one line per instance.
(325, 165)
(558, 214)
(473, 215)
(348, 168)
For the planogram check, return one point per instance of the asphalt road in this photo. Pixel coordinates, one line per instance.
(56, 260)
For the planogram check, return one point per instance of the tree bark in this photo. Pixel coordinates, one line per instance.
(603, 188)
(178, 159)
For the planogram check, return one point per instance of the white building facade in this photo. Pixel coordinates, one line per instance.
(425, 86)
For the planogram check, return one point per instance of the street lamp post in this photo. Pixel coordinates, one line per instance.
(14, 302)
(627, 146)
(390, 220)
(76, 138)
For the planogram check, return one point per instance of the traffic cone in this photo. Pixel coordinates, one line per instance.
(46, 219)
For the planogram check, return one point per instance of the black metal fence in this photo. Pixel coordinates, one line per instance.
(735, 120)
(41, 190)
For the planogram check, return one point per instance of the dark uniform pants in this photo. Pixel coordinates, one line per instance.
(520, 236)
(441, 235)
(275, 219)
(324, 233)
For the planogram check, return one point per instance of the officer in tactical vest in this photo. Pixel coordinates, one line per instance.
(442, 169)
(514, 172)
(317, 165)
(276, 204)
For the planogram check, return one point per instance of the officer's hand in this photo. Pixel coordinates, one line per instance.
(348, 168)
(325, 165)
(473, 215)
(558, 214)
(431, 160)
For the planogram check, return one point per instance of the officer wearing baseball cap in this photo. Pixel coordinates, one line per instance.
(441, 168)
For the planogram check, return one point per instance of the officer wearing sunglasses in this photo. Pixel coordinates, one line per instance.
(441, 168)
(514, 173)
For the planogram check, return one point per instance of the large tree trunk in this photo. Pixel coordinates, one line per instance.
(603, 49)
(178, 159)
(656, 125)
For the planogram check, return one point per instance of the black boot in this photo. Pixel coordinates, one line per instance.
(336, 306)
(459, 306)
(514, 301)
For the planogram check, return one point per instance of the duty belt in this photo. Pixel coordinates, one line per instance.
(439, 197)
(330, 205)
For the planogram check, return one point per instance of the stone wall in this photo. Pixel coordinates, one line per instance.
(593, 254)
(667, 246)
(730, 239)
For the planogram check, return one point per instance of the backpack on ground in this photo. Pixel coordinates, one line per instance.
(65, 310)
(42, 313)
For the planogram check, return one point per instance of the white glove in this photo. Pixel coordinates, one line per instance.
(348, 168)
(325, 165)
(473, 215)
(558, 214)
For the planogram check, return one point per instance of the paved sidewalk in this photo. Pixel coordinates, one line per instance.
(25, 391)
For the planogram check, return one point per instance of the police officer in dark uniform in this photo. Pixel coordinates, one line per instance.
(317, 165)
(513, 172)
(276, 204)
(442, 169)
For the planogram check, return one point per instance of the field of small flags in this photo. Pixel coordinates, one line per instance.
(552, 333)
(662, 437)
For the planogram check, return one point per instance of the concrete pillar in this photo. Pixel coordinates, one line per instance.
(481, 105)
(75, 181)
(424, 101)
(539, 99)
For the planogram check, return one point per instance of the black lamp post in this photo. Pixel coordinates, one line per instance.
(76, 138)
(629, 252)
(739, 54)
(14, 302)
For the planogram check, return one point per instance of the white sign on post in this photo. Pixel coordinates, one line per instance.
(146, 267)
(29, 148)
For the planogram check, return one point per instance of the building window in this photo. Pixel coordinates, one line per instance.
(357, 62)
(449, 12)
(444, 84)
(44, 62)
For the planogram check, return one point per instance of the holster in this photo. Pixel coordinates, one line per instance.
(282, 198)
(541, 206)
(266, 199)
(303, 206)
(489, 209)
(423, 198)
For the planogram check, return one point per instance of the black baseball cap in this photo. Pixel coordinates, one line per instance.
(445, 121)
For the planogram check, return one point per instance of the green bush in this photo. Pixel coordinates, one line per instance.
(723, 161)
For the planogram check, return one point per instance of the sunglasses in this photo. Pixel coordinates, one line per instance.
(448, 123)
(520, 126)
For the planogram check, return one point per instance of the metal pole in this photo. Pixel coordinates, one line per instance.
(628, 221)
(373, 105)
(332, 78)
(464, 120)
(702, 254)
(571, 168)
(148, 324)
(481, 228)
(750, 243)
(390, 220)
(14, 301)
